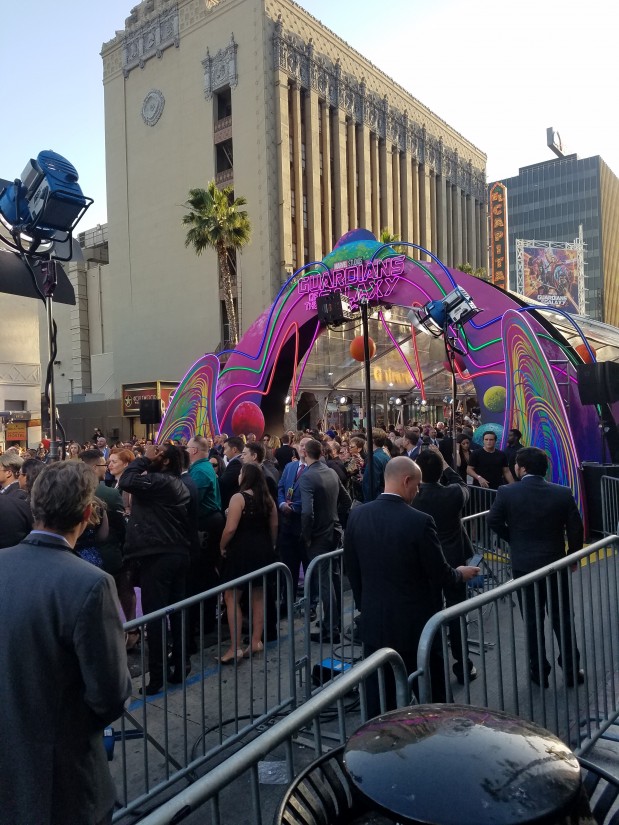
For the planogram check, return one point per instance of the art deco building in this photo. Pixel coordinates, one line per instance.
(259, 95)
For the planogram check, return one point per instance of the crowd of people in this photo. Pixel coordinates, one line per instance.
(179, 518)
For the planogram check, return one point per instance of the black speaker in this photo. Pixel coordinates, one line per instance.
(598, 383)
(330, 309)
(150, 411)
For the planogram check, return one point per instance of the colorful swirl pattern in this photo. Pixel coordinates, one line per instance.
(534, 404)
(192, 409)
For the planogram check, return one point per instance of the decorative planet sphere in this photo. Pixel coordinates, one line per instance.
(357, 350)
(582, 350)
(494, 399)
(248, 418)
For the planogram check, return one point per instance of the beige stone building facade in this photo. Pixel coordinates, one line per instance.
(259, 95)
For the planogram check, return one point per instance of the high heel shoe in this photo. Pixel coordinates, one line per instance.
(230, 658)
(252, 651)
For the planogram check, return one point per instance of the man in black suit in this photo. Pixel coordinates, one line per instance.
(321, 532)
(284, 454)
(534, 543)
(229, 480)
(443, 496)
(397, 571)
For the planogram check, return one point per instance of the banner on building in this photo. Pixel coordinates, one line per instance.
(552, 273)
(499, 255)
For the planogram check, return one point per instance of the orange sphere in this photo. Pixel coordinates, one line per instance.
(356, 348)
(582, 350)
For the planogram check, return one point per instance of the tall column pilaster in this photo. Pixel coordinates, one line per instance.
(449, 259)
(425, 209)
(456, 219)
(364, 176)
(441, 218)
(375, 177)
(396, 198)
(416, 206)
(406, 197)
(327, 240)
(339, 182)
(470, 228)
(297, 176)
(351, 148)
(284, 182)
(312, 175)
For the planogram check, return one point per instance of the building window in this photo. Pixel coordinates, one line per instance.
(293, 204)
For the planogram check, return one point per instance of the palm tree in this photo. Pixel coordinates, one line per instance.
(218, 222)
(386, 236)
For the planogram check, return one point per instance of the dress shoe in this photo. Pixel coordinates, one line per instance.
(535, 678)
(580, 678)
(152, 688)
(325, 637)
(175, 675)
(459, 672)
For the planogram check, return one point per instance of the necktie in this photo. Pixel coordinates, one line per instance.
(299, 471)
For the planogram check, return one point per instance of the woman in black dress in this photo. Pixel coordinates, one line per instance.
(247, 544)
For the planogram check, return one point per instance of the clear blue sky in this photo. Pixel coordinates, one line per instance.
(499, 73)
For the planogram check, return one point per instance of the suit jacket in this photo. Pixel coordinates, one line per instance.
(445, 504)
(15, 520)
(320, 489)
(397, 570)
(65, 677)
(534, 517)
(229, 481)
(288, 482)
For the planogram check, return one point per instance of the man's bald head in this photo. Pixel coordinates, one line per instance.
(402, 476)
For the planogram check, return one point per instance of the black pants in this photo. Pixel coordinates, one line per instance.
(290, 548)
(560, 616)
(163, 582)
(437, 675)
(456, 594)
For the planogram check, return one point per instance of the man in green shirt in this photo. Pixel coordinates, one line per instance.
(211, 523)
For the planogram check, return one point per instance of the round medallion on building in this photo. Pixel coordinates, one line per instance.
(152, 107)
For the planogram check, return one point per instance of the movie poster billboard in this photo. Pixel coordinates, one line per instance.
(551, 274)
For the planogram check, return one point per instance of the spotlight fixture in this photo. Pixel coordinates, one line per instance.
(345, 400)
(287, 400)
(455, 308)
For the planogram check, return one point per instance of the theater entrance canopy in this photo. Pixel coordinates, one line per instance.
(519, 360)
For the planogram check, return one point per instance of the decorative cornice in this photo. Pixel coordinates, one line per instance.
(220, 71)
(150, 40)
(314, 71)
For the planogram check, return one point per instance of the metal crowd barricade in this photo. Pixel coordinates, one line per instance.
(610, 504)
(169, 737)
(480, 500)
(578, 714)
(283, 734)
(338, 646)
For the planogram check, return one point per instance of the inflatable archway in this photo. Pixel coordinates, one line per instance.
(515, 357)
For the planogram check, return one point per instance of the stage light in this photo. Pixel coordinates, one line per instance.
(343, 400)
(398, 402)
(387, 315)
(287, 400)
(45, 204)
(455, 308)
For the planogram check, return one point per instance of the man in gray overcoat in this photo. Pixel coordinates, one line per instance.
(62, 660)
